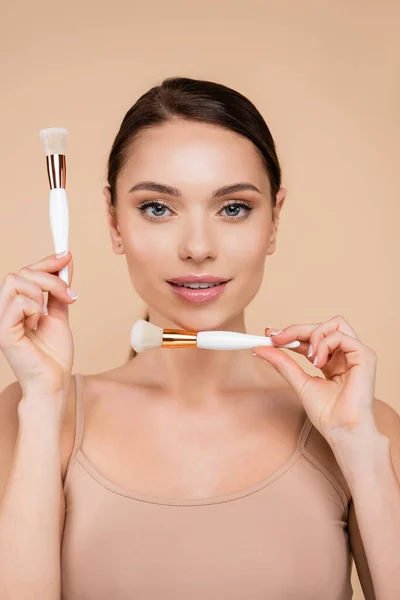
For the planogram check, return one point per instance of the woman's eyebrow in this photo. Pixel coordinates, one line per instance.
(235, 187)
(161, 188)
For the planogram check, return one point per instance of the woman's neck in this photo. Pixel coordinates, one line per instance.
(195, 374)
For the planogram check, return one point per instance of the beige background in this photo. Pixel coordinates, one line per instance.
(325, 77)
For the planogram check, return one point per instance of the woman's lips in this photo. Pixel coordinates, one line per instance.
(198, 295)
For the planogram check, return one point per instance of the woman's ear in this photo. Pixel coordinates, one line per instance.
(280, 199)
(111, 215)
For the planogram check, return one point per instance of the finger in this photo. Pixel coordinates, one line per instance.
(312, 333)
(70, 276)
(70, 270)
(13, 322)
(337, 323)
(51, 264)
(14, 285)
(56, 307)
(354, 350)
(303, 331)
(46, 282)
(295, 332)
(302, 349)
(299, 332)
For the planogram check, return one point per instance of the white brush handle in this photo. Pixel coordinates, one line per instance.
(232, 340)
(59, 222)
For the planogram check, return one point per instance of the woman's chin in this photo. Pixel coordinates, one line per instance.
(198, 320)
(200, 324)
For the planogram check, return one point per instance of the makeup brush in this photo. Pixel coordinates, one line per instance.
(54, 142)
(145, 336)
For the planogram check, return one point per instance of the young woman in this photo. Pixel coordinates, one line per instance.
(191, 473)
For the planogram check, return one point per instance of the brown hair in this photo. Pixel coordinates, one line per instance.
(196, 100)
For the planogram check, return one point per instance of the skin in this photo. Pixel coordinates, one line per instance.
(195, 235)
(239, 404)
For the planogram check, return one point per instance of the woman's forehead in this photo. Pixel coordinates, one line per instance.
(193, 152)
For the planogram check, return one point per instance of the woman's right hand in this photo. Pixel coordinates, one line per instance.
(41, 358)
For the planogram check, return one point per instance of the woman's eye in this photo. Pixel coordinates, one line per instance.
(233, 208)
(158, 210)
(158, 206)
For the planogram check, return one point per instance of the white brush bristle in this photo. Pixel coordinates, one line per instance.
(54, 140)
(145, 336)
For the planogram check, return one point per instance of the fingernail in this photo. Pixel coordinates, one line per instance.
(45, 311)
(310, 351)
(315, 360)
(72, 294)
(275, 332)
(61, 254)
(257, 355)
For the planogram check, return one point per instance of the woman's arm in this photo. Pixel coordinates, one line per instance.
(31, 502)
(371, 466)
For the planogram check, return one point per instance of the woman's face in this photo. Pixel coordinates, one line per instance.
(191, 229)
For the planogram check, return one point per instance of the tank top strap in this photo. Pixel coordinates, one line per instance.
(304, 433)
(321, 456)
(79, 413)
(79, 423)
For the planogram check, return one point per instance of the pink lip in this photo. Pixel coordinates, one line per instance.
(193, 278)
(197, 296)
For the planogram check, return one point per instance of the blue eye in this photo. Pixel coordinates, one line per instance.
(238, 205)
(153, 204)
(161, 206)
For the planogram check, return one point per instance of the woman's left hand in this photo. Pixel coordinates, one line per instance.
(343, 401)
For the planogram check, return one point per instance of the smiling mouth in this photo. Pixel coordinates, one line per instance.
(199, 294)
(198, 286)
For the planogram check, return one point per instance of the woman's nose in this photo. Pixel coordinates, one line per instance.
(198, 244)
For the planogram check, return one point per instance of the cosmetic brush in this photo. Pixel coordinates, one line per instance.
(145, 336)
(54, 141)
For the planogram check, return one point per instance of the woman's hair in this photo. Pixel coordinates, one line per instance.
(194, 100)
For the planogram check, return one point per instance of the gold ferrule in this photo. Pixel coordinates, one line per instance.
(56, 170)
(176, 338)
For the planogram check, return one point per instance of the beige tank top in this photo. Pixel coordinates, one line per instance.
(282, 538)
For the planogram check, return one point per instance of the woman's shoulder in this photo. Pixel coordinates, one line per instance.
(314, 447)
(89, 389)
(80, 389)
(85, 387)
(318, 451)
